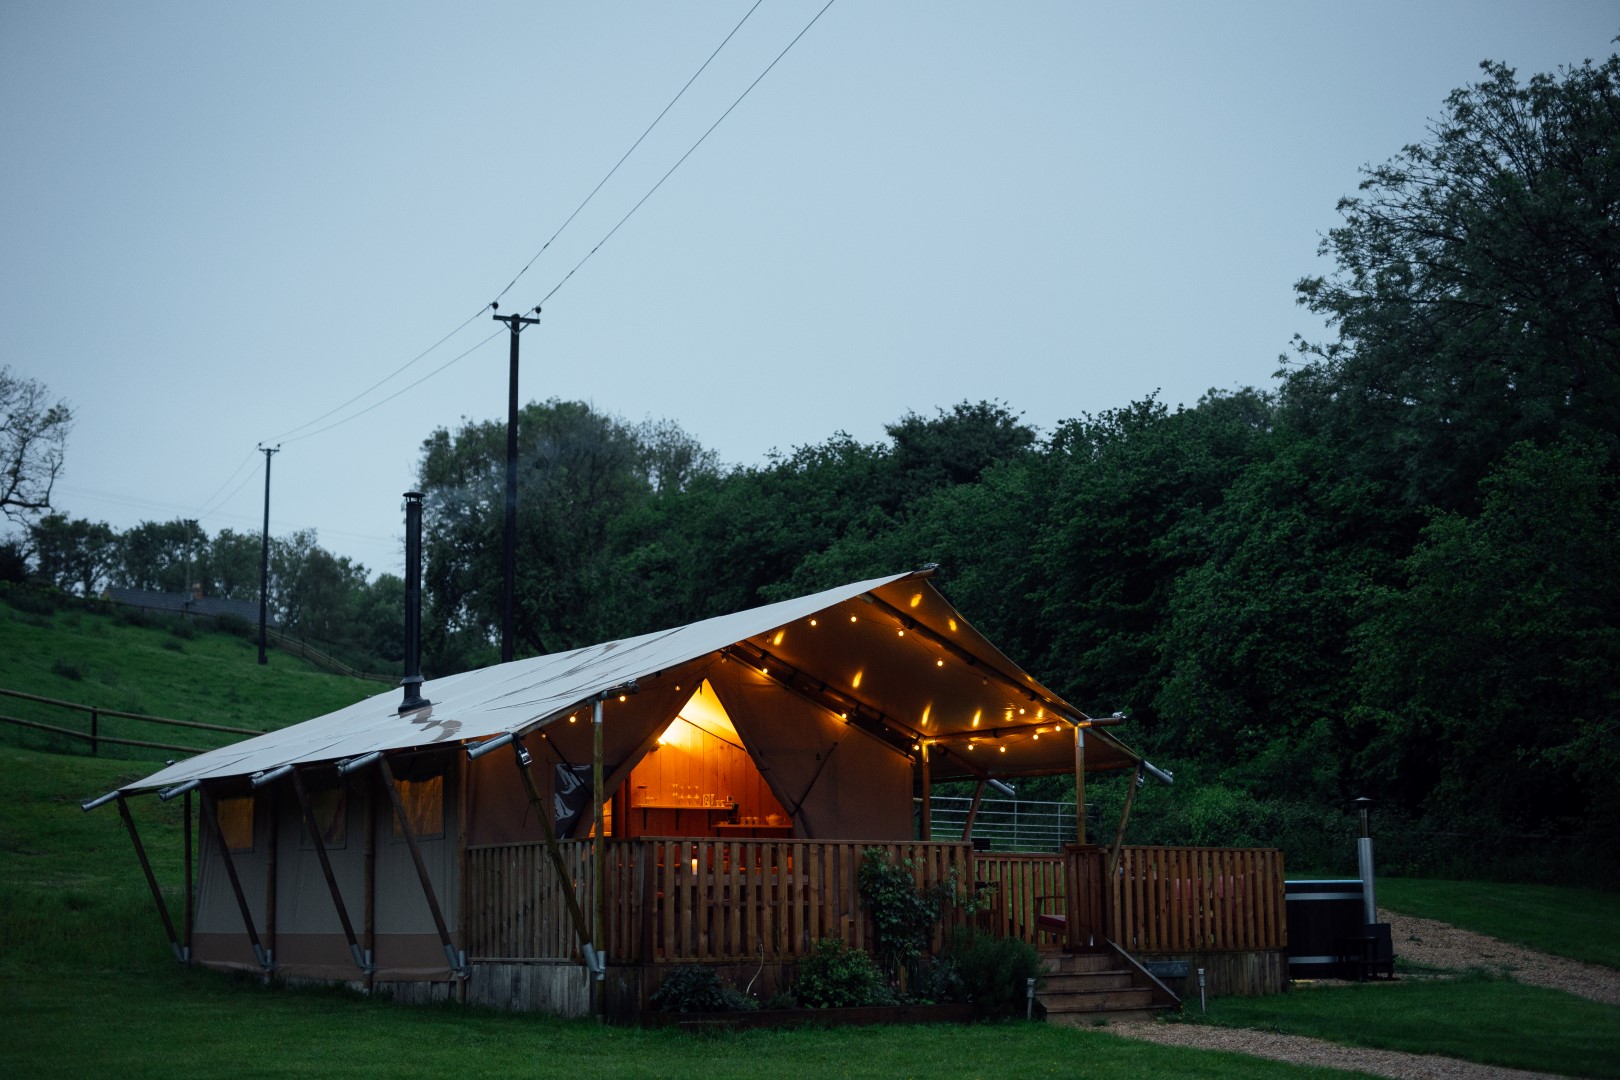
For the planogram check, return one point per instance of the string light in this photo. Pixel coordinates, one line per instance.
(939, 662)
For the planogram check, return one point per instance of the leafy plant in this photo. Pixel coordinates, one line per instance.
(836, 975)
(696, 988)
(66, 670)
(904, 914)
(994, 972)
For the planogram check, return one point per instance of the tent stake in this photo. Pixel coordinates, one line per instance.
(210, 813)
(151, 879)
(456, 964)
(319, 843)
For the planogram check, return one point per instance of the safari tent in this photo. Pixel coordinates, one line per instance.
(547, 833)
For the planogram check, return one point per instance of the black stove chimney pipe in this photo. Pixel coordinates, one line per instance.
(412, 682)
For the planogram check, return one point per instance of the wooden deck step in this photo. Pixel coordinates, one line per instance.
(1087, 989)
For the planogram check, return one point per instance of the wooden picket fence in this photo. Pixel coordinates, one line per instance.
(687, 900)
(1181, 899)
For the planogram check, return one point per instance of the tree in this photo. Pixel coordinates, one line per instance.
(1477, 289)
(1489, 692)
(579, 473)
(74, 553)
(33, 440)
(164, 556)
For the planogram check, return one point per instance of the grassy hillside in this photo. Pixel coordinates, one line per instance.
(167, 667)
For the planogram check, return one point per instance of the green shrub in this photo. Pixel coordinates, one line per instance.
(835, 976)
(183, 628)
(994, 971)
(696, 988)
(174, 646)
(66, 670)
(236, 625)
(31, 601)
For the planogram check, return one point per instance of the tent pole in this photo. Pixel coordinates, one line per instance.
(191, 902)
(456, 963)
(927, 796)
(1124, 816)
(973, 812)
(151, 879)
(564, 877)
(369, 856)
(598, 858)
(1079, 784)
(361, 961)
(210, 814)
(272, 846)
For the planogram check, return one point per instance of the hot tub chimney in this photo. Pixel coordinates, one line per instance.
(412, 682)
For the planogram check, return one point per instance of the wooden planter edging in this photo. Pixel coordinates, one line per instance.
(859, 1016)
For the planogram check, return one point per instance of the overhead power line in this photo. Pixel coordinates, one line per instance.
(409, 386)
(628, 152)
(688, 153)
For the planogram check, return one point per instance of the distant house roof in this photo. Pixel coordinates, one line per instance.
(187, 605)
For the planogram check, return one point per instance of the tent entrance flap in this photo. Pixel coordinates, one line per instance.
(210, 813)
(458, 962)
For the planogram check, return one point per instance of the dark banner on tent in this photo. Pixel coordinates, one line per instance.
(571, 798)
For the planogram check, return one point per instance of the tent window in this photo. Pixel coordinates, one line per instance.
(423, 802)
(330, 809)
(236, 822)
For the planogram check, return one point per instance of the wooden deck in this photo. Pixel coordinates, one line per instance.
(703, 900)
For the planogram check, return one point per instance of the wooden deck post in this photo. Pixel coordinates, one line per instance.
(599, 861)
(1080, 782)
(927, 830)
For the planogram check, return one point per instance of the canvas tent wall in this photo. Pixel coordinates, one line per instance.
(835, 697)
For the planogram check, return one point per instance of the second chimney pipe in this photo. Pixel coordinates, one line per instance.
(412, 682)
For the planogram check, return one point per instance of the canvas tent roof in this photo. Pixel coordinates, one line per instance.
(890, 655)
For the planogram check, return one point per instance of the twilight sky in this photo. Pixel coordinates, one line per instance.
(221, 221)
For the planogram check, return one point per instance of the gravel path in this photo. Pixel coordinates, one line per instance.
(1421, 941)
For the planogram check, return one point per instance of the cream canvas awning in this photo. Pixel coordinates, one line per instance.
(889, 655)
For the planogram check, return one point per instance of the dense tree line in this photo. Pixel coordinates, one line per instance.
(1396, 572)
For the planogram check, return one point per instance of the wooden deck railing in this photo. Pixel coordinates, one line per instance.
(686, 900)
(693, 900)
(1169, 899)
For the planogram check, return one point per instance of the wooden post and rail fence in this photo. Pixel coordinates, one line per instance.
(705, 900)
(95, 737)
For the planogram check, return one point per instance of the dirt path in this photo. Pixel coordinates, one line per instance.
(1421, 941)
(1424, 941)
(1298, 1050)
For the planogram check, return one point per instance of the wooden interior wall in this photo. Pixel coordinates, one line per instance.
(687, 786)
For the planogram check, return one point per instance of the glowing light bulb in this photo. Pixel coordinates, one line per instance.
(812, 622)
(939, 663)
(901, 632)
(1003, 749)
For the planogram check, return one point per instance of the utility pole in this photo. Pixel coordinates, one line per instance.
(264, 558)
(515, 323)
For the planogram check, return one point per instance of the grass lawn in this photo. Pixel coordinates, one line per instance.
(1578, 923)
(172, 1023)
(1477, 1018)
